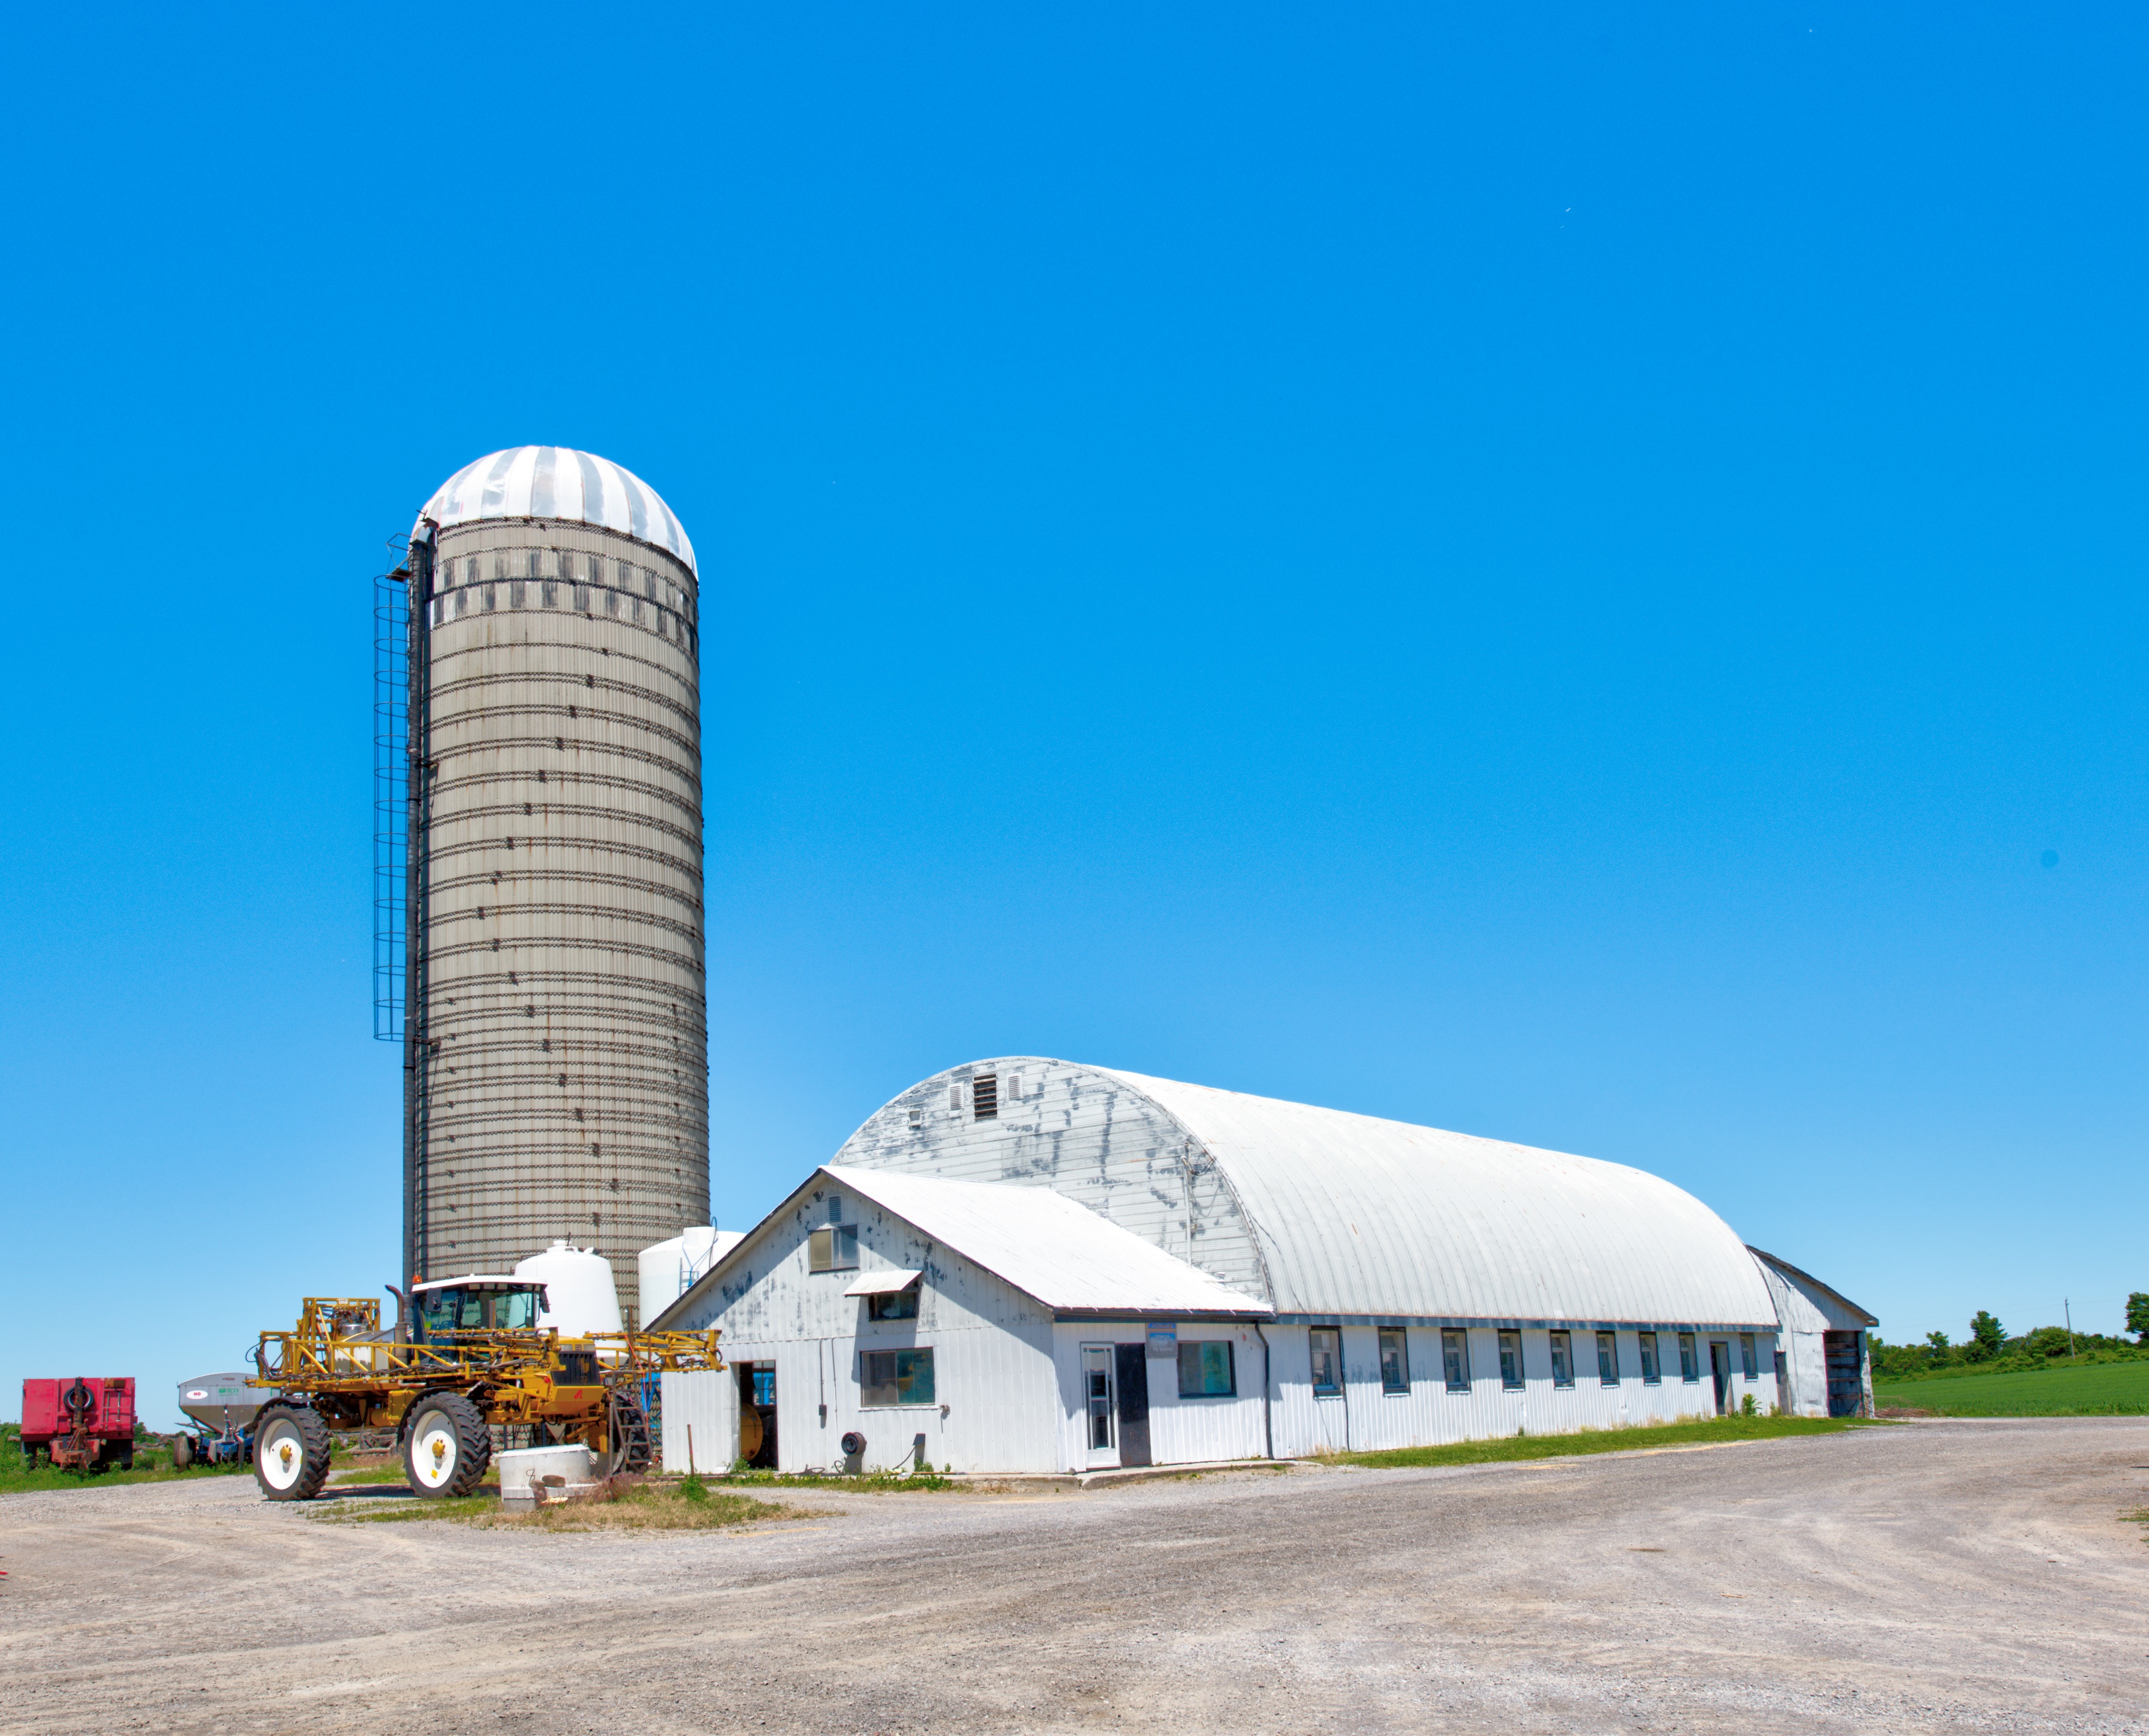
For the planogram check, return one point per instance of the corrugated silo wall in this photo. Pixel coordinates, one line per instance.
(567, 1028)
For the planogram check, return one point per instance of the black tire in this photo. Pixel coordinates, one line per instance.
(290, 1452)
(183, 1451)
(446, 1447)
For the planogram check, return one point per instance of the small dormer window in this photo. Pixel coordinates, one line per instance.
(985, 1098)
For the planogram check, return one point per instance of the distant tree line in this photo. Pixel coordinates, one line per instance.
(1989, 1342)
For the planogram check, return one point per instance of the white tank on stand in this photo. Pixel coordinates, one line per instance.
(579, 1295)
(672, 1268)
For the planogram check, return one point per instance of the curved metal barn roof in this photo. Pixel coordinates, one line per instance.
(1334, 1214)
(559, 482)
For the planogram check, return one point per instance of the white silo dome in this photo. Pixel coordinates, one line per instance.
(558, 482)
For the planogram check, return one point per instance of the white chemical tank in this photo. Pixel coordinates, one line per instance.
(579, 1295)
(672, 1268)
(221, 1400)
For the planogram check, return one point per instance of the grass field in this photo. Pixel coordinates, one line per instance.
(1712, 1432)
(152, 1464)
(2107, 1389)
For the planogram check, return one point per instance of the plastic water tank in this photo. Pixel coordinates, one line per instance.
(671, 1268)
(578, 1290)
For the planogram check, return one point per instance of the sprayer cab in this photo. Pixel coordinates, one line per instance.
(449, 1309)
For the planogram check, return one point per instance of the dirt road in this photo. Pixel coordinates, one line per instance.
(1939, 1576)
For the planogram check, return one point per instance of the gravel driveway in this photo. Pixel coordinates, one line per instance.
(1939, 1576)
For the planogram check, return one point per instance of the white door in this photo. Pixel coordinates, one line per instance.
(1101, 1432)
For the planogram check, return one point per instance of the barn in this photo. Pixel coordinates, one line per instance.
(1029, 1265)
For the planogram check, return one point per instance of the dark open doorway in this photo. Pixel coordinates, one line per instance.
(1845, 1355)
(1132, 1369)
(1720, 1374)
(756, 1385)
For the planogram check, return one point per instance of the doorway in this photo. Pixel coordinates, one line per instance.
(1100, 1413)
(1720, 1373)
(1133, 1373)
(757, 1387)
(1844, 1354)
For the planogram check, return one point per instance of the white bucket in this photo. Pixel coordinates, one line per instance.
(532, 1475)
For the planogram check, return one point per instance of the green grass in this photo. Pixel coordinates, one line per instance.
(2010, 1365)
(479, 1506)
(1710, 1432)
(877, 1483)
(2095, 1389)
(391, 1473)
(690, 1506)
(151, 1466)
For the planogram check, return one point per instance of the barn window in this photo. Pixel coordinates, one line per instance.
(1511, 1361)
(1562, 1359)
(895, 1378)
(1607, 1358)
(985, 1098)
(1689, 1358)
(1327, 1345)
(1454, 1355)
(833, 1248)
(1749, 1364)
(894, 1304)
(1205, 1369)
(1395, 1363)
(1651, 1372)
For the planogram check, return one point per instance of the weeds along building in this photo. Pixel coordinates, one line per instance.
(1029, 1265)
(541, 946)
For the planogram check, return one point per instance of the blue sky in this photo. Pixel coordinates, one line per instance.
(1553, 576)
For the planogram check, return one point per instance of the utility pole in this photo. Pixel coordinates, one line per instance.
(2070, 1308)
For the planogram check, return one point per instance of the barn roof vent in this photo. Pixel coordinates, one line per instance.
(985, 1098)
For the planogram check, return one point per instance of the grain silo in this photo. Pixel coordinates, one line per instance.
(539, 867)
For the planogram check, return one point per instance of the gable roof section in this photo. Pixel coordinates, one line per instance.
(1829, 1290)
(1047, 1246)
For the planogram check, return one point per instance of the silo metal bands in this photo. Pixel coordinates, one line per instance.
(558, 1036)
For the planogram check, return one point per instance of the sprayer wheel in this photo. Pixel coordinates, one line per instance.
(446, 1446)
(290, 1453)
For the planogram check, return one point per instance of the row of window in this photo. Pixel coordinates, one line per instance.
(1327, 1346)
(564, 564)
(479, 599)
(1206, 1370)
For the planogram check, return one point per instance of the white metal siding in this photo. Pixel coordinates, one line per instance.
(699, 1412)
(1181, 1430)
(1806, 1310)
(992, 1346)
(1366, 1419)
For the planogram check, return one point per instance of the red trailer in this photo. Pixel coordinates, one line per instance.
(80, 1424)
